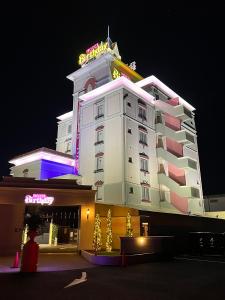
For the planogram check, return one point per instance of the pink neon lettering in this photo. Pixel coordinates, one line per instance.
(95, 46)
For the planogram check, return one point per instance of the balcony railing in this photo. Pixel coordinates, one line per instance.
(98, 143)
(143, 117)
(143, 143)
(99, 116)
(98, 170)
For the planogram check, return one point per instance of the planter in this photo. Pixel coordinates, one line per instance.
(102, 260)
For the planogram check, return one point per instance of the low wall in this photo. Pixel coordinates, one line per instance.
(102, 260)
(11, 228)
(150, 244)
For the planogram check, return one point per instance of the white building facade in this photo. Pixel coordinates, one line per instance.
(133, 139)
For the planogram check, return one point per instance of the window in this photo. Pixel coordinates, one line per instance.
(99, 135)
(142, 137)
(99, 110)
(131, 190)
(69, 129)
(130, 159)
(25, 172)
(145, 193)
(142, 113)
(129, 104)
(99, 165)
(144, 164)
(99, 194)
(129, 130)
(68, 147)
(213, 201)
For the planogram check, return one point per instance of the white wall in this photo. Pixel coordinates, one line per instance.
(64, 137)
(34, 170)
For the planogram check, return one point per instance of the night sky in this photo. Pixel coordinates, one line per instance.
(181, 45)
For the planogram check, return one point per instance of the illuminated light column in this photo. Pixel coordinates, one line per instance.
(50, 233)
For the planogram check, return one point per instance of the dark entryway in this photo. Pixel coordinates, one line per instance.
(63, 219)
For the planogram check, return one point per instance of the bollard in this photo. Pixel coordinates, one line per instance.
(16, 261)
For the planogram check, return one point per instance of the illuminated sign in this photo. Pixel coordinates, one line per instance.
(93, 52)
(133, 65)
(38, 199)
(116, 74)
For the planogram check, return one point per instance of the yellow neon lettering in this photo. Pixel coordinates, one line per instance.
(93, 52)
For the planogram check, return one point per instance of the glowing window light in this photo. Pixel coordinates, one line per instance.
(38, 199)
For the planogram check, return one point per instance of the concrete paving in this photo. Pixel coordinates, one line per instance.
(48, 262)
(174, 280)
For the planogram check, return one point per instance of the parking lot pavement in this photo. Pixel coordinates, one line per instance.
(48, 262)
(178, 279)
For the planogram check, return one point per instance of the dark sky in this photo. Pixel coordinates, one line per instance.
(181, 45)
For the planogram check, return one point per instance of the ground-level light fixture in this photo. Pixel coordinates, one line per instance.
(88, 213)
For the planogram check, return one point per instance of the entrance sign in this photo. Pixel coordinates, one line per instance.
(93, 52)
(38, 199)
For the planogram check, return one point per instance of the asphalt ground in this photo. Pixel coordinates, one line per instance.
(178, 279)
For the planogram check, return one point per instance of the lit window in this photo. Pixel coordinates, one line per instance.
(142, 137)
(145, 193)
(144, 164)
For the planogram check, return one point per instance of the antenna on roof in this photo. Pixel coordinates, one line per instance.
(108, 39)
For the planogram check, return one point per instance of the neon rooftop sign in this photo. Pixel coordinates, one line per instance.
(38, 199)
(93, 52)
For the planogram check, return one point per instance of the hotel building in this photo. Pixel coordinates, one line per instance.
(132, 139)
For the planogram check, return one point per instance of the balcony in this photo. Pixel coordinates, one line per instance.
(181, 136)
(179, 162)
(178, 111)
(182, 191)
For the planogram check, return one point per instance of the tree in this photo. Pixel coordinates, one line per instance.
(129, 230)
(108, 244)
(97, 238)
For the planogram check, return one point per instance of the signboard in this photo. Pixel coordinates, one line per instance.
(38, 199)
(116, 74)
(92, 53)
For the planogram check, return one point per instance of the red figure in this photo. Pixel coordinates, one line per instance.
(30, 254)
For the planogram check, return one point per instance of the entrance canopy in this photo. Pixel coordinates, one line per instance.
(19, 190)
